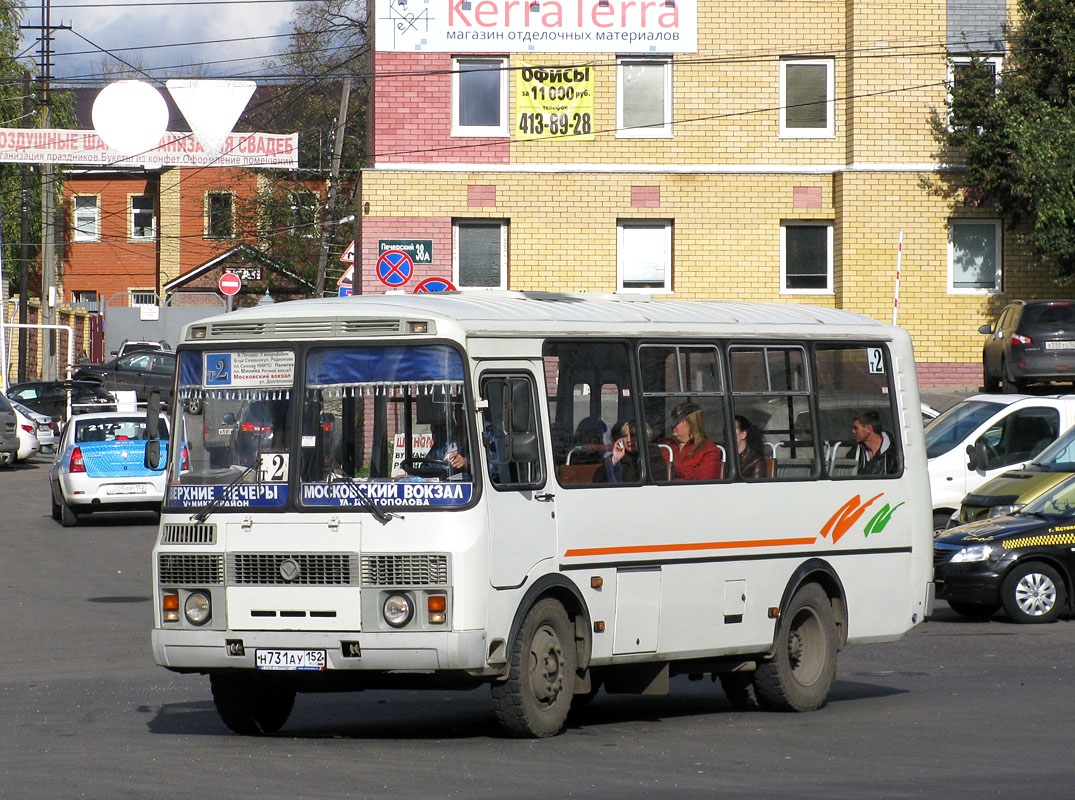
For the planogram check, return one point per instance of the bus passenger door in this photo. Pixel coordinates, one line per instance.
(522, 527)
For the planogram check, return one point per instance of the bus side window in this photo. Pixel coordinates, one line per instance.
(853, 381)
(510, 432)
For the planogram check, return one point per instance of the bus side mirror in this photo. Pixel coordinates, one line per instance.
(153, 455)
(153, 415)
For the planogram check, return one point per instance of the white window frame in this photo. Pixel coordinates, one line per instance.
(622, 251)
(137, 295)
(953, 61)
(77, 235)
(829, 131)
(480, 130)
(463, 223)
(153, 216)
(998, 284)
(649, 132)
(208, 227)
(804, 223)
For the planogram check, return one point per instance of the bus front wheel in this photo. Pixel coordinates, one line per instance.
(251, 704)
(803, 667)
(536, 697)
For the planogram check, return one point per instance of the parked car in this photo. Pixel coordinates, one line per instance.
(137, 372)
(1024, 561)
(50, 397)
(47, 428)
(100, 467)
(9, 437)
(132, 346)
(985, 435)
(26, 429)
(1032, 341)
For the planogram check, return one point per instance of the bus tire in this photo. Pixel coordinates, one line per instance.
(535, 699)
(250, 704)
(803, 666)
(739, 688)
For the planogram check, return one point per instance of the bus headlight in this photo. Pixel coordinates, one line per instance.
(397, 610)
(197, 608)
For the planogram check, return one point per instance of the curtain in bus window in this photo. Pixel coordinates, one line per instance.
(854, 382)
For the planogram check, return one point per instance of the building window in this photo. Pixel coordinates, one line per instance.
(806, 258)
(87, 218)
(479, 97)
(143, 220)
(219, 216)
(974, 259)
(143, 297)
(644, 256)
(479, 254)
(806, 98)
(643, 98)
(85, 299)
(961, 72)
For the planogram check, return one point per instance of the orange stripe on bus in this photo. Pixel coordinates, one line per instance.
(679, 548)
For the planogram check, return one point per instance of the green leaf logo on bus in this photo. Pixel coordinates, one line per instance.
(850, 513)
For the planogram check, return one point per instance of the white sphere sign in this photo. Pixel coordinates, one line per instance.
(130, 116)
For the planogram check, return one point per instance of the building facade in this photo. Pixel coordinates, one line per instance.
(765, 150)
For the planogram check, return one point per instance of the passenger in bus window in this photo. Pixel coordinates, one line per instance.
(876, 453)
(621, 464)
(748, 446)
(693, 456)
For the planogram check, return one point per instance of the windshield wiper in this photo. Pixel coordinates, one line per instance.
(216, 502)
(383, 517)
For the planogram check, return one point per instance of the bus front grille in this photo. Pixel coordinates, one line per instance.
(188, 533)
(405, 570)
(295, 569)
(187, 569)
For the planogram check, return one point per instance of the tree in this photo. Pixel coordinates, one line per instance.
(328, 43)
(1016, 137)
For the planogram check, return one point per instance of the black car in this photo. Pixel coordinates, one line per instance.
(140, 373)
(50, 397)
(1023, 562)
(1031, 341)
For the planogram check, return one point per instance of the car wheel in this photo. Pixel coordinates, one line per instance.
(1033, 593)
(1011, 384)
(974, 610)
(989, 383)
(56, 512)
(67, 515)
(941, 519)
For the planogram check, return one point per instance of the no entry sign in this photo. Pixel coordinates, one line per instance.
(229, 283)
(394, 268)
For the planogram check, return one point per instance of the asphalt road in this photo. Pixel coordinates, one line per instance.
(956, 709)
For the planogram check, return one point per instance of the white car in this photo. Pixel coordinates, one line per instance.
(46, 427)
(985, 435)
(26, 429)
(100, 466)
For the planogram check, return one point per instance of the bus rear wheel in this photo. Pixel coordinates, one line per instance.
(803, 667)
(739, 689)
(251, 704)
(536, 697)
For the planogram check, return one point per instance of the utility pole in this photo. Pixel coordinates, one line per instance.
(330, 202)
(48, 200)
(24, 240)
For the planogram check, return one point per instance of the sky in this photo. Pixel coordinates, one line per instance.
(146, 24)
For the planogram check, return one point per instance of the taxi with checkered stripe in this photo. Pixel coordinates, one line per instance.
(1023, 562)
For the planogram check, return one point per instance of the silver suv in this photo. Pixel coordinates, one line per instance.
(9, 436)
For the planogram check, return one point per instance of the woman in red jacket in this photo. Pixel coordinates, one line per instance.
(693, 456)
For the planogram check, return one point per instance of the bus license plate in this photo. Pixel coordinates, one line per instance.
(290, 659)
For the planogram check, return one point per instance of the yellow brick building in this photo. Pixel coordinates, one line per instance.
(763, 150)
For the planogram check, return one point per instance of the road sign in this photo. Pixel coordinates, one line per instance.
(349, 254)
(229, 283)
(434, 285)
(394, 268)
(348, 278)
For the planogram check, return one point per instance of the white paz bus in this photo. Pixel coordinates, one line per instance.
(543, 493)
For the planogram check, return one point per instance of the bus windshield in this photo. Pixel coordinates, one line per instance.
(956, 424)
(380, 424)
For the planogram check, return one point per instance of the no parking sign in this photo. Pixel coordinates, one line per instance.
(434, 285)
(394, 268)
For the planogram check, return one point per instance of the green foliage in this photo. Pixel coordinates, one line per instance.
(1017, 137)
